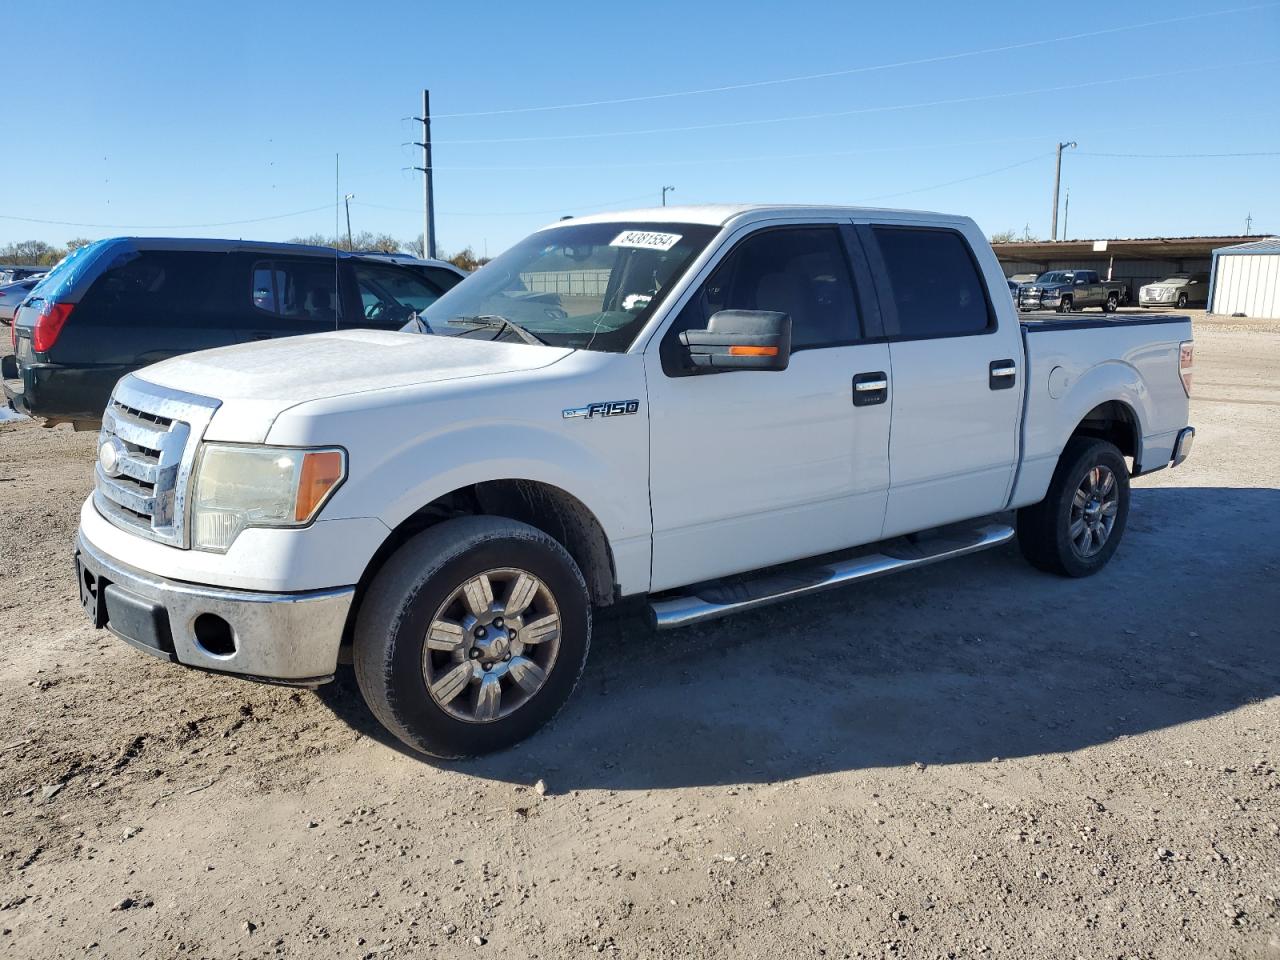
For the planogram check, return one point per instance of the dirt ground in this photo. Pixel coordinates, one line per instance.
(974, 760)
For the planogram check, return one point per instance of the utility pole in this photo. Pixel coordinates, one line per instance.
(665, 190)
(428, 193)
(1057, 181)
(347, 200)
(1066, 212)
(1248, 224)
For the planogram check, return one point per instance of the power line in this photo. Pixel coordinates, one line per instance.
(513, 213)
(1181, 156)
(952, 101)
(976, 176)
(751, 158)
(162, 226)
(748, 85)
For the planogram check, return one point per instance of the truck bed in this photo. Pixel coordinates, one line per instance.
(1036, 321)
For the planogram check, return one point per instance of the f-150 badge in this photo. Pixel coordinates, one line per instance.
(610, 408)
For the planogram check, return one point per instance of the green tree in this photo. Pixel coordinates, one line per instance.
(362, 242)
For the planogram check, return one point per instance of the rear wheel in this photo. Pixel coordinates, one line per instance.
(472, 636)
(1112, 304)
(1078, 526)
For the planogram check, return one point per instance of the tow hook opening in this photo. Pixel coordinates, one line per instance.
(214, 635)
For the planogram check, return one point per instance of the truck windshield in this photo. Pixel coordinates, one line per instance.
(1055, 276)
(591, 286)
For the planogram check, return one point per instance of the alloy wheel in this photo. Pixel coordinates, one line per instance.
(491, 645)
(1093, 511)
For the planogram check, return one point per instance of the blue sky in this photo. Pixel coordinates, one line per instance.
(179, 114)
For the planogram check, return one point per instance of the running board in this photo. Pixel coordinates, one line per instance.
(894, 557)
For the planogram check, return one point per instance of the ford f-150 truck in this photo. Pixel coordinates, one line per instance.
(702, 409)
(1067, 290)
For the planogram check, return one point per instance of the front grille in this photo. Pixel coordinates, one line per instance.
(149, 439)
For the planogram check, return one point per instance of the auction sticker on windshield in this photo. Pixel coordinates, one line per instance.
(645, 240)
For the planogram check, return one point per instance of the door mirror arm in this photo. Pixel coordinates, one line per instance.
(739, 340)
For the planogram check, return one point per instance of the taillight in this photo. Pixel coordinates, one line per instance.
(1186, 354)
(48, 325)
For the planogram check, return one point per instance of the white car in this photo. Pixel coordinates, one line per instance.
(681, 405)
(12, 294)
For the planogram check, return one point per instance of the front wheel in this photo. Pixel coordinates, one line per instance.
(472, 636)
(1076, 528)
(1065, 305)
(1182, 301)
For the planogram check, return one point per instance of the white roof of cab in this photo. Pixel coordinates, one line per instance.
(720, 214)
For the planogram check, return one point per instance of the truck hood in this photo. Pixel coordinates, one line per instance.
(257, 381)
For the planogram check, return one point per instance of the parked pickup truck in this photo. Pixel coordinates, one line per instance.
(700, 409)
(1067, 290)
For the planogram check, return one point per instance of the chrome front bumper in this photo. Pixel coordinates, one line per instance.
(281, 637)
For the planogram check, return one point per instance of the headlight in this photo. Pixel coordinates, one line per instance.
(242, 486)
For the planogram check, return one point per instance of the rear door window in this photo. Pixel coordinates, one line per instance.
(299, 290)
(936, 286)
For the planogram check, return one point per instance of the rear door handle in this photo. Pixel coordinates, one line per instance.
(870, 388)
(1002, 374)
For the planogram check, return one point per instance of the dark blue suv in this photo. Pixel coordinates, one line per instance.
(120, 304)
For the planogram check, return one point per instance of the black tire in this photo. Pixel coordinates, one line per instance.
(391, 631)
(1112, 304)
(1044, 529)
(1182, 301)
(1066, 304)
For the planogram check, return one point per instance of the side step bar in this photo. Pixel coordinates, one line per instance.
(893, 558)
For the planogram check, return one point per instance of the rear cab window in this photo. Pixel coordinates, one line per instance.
(936, 287)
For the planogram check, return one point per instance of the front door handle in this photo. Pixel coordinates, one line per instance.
(1002, 374)
(870, 388)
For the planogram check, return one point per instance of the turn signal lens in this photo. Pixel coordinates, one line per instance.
(1186, 355)
(753, 351)
(320, 473)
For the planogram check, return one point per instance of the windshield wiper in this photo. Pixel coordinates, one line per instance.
(493, 320)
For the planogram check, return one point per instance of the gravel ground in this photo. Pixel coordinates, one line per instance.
(974, 760)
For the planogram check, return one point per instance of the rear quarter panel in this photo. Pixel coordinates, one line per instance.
(1133, 363)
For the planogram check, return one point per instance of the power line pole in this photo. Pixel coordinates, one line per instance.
(1248, 224)
(428, 192)
(1066, 214)
(1057, 182)
(347, 201)
(665, 190)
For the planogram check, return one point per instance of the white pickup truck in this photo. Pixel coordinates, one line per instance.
(703, 408)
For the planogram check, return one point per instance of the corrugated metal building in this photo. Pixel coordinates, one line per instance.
(1246, 280)
(1135, 262)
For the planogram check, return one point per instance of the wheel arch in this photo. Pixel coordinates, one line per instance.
(549, 508)
(1114, 421)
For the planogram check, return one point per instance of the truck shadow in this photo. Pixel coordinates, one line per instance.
(962, 662)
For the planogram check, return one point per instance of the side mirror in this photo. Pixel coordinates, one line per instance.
(740, 340)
